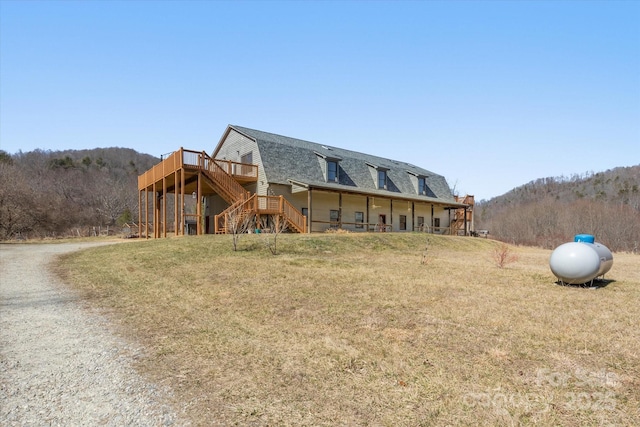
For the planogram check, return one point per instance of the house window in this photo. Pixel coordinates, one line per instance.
(332, 171)
(382, 179)
(305, 212)
(246, 159)
(420, 223)
(403, 222)
(359, 219)
(334, 217)
(436, 223)
(422, 186)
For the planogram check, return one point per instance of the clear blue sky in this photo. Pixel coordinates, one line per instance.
(489, 94)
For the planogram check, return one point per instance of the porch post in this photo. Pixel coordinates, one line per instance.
(432, 217)
(413, 216)
(309, 209)
(340, 209)
(367, 220)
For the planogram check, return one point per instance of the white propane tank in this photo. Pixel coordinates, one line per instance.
(606, 258)
(580, 261)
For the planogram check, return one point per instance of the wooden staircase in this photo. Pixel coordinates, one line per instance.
(222, 182)
(458, 222)
(244, 207)
(251, 209)
(181, 172)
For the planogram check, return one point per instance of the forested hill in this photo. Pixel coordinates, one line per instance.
(53, 193)
(549, 211)
(115, 160)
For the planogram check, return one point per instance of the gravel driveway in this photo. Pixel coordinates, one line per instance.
(59, 362)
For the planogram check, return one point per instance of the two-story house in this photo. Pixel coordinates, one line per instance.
(313, 186)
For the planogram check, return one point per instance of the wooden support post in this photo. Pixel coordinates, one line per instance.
(465, 220)
(155, 213)
(182, 201)
(139, 213)
(175, 203)
(164, 206)
(146, 212)
(198, 203)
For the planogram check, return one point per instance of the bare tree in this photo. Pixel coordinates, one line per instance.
(238, 222)
(17, 203)
(272, 226)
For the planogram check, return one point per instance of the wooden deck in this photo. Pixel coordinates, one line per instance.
(187, 172)
(190, 163)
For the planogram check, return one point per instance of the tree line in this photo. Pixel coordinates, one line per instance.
(550, 211)
(57, 193)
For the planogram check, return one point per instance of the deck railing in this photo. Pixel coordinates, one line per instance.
(262, 205)
(195, 160)
(161, 170)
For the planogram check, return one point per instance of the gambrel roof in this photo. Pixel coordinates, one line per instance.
(292, 161)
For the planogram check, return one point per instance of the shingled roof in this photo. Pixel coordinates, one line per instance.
(295, 161)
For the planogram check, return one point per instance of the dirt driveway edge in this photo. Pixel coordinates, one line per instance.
(60, 363)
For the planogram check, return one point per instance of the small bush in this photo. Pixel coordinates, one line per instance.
(502, 255)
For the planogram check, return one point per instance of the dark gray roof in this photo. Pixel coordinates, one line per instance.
(288, 159)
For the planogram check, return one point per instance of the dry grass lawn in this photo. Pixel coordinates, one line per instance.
(353, 329)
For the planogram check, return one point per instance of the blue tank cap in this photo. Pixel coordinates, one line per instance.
(585, 238)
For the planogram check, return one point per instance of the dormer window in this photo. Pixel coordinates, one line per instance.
(330, 166)
(422, 185)
(379, 175)
(332, 171)
(382, 179)
(419, 183)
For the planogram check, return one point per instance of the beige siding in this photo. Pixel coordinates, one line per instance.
(402, 207)
(423, 210)
(350, 205)
(322, 203)
(237, 145)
